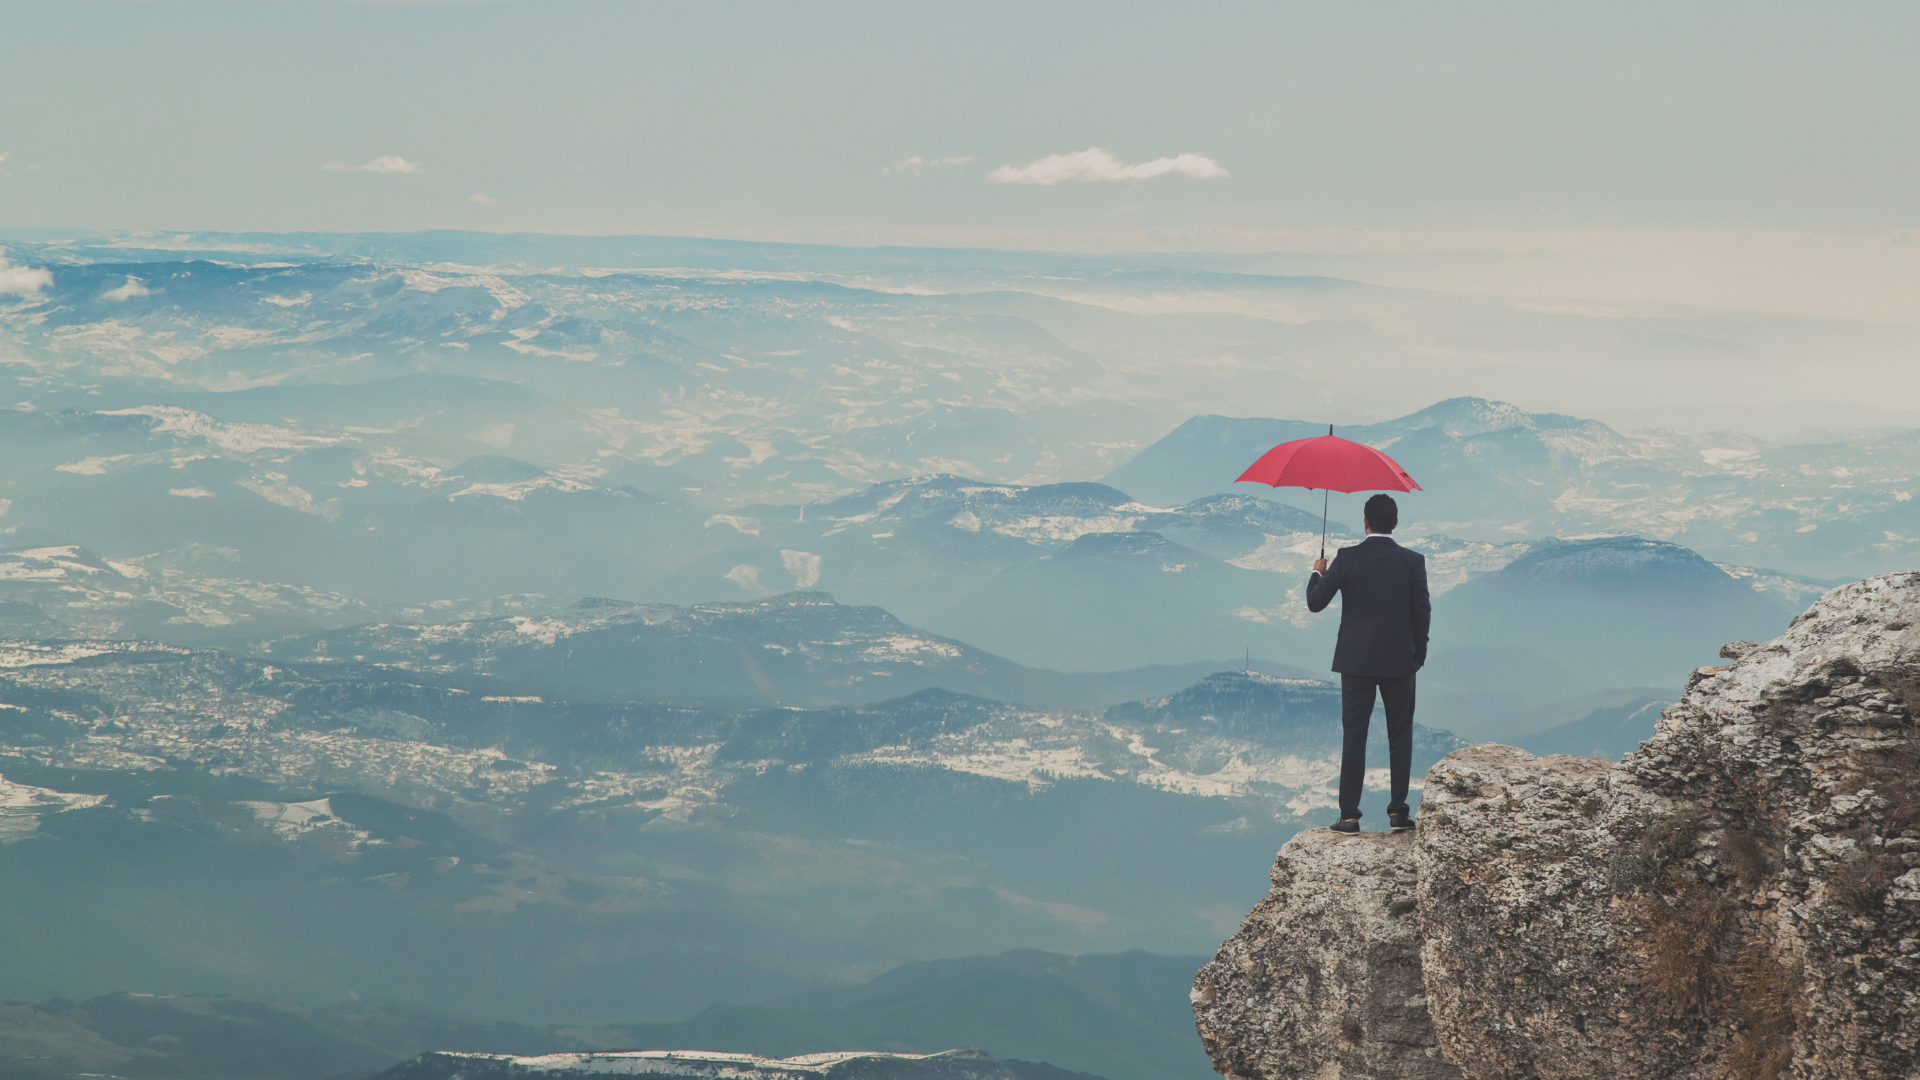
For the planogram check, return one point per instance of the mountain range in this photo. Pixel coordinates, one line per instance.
(670, 637)
(1831, 507)
(456, 782)
(375, 377)
(403, 435)
(1068, 577)
(797, 648)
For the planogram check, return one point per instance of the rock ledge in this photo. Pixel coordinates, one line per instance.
(1740, 897)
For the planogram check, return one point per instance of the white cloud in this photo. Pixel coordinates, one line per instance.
(481, 199)
(387, 163)
(131, 289)
(1094, 165)
(23, 280)
(919, 163)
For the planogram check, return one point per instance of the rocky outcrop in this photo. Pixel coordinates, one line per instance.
(1740, 897)
(1323, 978)
(1530, 968)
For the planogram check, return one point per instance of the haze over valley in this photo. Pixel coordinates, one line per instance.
(572, 539)
(762, 621)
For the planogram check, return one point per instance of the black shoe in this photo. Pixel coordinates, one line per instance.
(1346, 825)
(1400, 822)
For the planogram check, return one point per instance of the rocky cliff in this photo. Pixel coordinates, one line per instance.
(1740, 897)
(1324, 977)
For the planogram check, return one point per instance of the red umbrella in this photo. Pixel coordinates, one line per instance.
(1330, 464)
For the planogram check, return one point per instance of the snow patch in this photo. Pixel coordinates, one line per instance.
(22, 804)
(803, 565)
(93, 466)
(231, 437)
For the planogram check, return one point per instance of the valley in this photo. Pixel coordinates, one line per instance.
(645, 640)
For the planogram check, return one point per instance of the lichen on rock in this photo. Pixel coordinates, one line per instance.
(1739, 898)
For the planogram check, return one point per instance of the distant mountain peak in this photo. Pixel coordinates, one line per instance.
(1256, 689)
(599, 603)
(1256, 707)
(1467, 416)
(945, 493)
(802, 598)
(1127, 545)
(1610, 557)
(935, 697)
(1246, 703)
(1247, 679)
(495, 469)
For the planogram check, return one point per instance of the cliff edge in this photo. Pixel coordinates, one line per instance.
(1737, 898)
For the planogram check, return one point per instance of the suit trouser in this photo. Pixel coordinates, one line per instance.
(1356, 708)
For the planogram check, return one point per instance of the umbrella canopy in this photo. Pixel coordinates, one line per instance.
(1330, 463)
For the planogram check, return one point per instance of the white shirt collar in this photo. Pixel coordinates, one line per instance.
(1379, 536)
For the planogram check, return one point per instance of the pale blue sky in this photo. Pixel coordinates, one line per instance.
(781, 120)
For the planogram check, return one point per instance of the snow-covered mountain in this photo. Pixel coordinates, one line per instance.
(65, 591)
(797, 648)
(1082, 576)
(439, 781)
(307, 689)
(331, 530)
(1492, 471)
(752, 386)
(843, 1065)
(729, 375)
(404, 422)
(1076, 576)
(1568, 602)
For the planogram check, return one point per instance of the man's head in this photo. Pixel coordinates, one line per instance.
(1383, 514)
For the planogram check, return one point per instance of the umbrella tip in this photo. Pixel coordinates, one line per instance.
(1329, 429)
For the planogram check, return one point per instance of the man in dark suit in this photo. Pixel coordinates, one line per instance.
(1384, 617)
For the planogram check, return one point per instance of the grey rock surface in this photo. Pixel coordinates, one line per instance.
(1323, 979)
(1527, 952)
(1803, 752)
(1739, 897)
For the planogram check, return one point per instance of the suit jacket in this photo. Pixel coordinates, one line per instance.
(1385, 611)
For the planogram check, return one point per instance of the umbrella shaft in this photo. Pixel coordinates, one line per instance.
(1325, 495)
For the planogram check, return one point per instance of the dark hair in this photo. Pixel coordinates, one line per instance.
(1382, 513)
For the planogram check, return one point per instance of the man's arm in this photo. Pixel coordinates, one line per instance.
(1322, 585)
(1421, 606)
